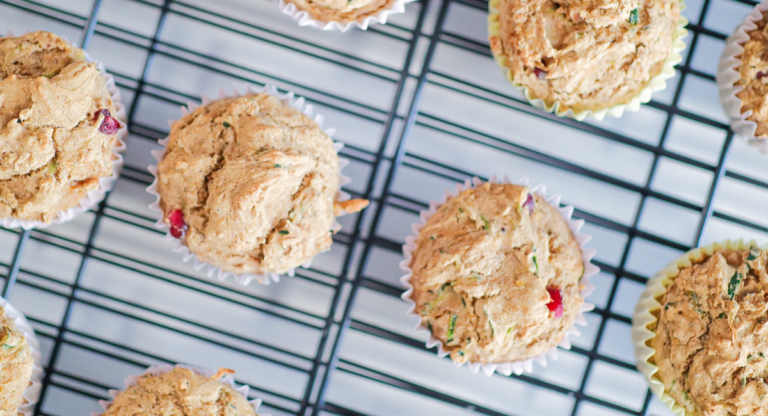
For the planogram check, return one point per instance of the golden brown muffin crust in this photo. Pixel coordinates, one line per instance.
(482, 270)
(16, 364)
(255, 180)
(51, 150)
(586, 54)
(754, 71)
(180, 392)
(342, 11)
(712, 335)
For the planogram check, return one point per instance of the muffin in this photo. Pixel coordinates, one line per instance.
(180, 392)
(741, 79)
(496, 275)
(753, 81)
(342, 11)
(16, 364)
(249, 183)
(57, 127)
(583, 54)
(712, 334)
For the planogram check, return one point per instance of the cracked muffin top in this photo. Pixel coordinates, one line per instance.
(712, 335)
(249, 184)
(57, 134)
(496, 275)
(180, 392)
(586, 54)
(16, 364)
(342, 11)
(753, 71)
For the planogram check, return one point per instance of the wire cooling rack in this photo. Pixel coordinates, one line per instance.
(420, 104)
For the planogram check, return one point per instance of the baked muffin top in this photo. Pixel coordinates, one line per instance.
(249, 184)
(342, 11)
(753, 71)
(712, 335)
(56, 130)
(16, 364)
(586, 54)
(496, 275)
(180, 392)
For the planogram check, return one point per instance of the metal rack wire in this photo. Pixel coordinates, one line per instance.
(332, 340)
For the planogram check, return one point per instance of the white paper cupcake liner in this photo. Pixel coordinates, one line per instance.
(657, 83)
(288, 98)
(106, 183)
(644, 316)
(32, 393)
(728, 74)
(228, 379)
(305, 19)
(517, 367)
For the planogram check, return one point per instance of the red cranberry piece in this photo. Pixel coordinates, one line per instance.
(761, 74)
(109, 125)
(178, 226)
(529, 203)
(556, 305)
(540, 73)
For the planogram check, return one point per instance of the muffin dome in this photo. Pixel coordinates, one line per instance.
(585, 54)
(16, 364)
(496, 275)
(57, 134)
(753, 71)
(249, 183)
(342, 11)
(180, 392)
(712, 335)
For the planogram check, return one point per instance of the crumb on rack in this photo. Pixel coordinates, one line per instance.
(222, 372)
(349, 207)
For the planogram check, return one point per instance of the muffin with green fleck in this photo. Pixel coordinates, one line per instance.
(587, 55)
(710, 333)
(496, 275)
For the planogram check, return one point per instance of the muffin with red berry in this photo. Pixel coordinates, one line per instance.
(496, 275)
(249, 185)
(57, 127)
(587, 56)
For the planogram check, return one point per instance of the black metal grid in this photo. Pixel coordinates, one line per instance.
(364, 234)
